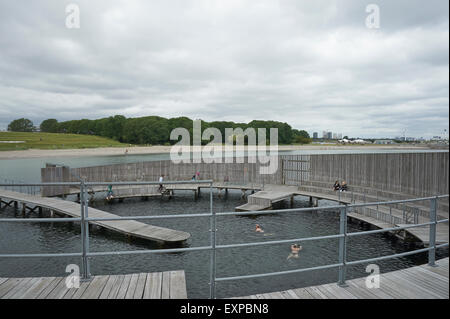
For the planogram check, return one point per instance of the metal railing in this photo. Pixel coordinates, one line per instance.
(13, 184)
(343, 235)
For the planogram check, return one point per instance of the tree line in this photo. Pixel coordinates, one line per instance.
(154, 130)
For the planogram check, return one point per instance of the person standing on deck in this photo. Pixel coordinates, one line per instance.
(161, 179)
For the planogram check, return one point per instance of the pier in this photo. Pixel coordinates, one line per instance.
(130, 228)
(156, 285)
(420, 282)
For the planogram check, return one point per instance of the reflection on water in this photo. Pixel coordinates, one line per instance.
(65, 237)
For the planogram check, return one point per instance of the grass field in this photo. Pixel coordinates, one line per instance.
(53, 141)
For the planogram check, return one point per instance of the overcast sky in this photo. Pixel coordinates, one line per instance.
(312, 64)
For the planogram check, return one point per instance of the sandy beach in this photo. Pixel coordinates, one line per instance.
(139, 150)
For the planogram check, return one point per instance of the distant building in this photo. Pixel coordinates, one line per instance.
(330, 135)
(315, 135)
(384, 142)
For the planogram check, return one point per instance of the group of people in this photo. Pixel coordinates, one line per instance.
(196, 176)
(342, 187)
(295, 248)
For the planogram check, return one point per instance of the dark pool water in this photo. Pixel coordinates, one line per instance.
(65, 237)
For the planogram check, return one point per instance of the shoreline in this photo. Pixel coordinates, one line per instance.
(160, 149)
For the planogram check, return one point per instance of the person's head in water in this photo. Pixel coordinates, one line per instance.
(259, 229)
(295, 248)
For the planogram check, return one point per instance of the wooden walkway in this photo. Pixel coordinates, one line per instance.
(263, 200)
(271, 194)
(421, 282)
(130, 191)
(158, 285)
(130, 228)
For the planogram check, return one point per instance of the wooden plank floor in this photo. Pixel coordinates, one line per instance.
(421, 233)
(420, 282)
(132, 228)
(158, 285)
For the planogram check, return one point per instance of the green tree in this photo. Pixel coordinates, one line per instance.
(21, 125)
(49, 126)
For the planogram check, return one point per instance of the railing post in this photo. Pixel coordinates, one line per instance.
(212, 277)
(432, 244)
(84, 233)
(343, 246)
(404, 214)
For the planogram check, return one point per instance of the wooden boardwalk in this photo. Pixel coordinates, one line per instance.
(263, 200)
(157, 285)
(420, 282)
(271, 194)
(130, 191)
(130, 228)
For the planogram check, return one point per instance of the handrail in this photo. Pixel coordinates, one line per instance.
(342, 236)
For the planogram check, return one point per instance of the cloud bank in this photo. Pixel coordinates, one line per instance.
(312, 64)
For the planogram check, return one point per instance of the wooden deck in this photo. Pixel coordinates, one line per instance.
(130, 228)
(158, 285)
(421, 282)
(264, 199)
(272, 193)
(421, 233)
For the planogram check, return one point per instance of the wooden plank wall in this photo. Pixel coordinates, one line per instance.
(417, 174)
(238, 173)
(296, 169)
(53, 174)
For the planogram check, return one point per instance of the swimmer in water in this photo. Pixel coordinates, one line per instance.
(259, 229)
(295, 248)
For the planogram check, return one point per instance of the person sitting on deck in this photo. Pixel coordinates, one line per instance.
(259, 229)
(109, 195)
(336, 186)
(344, 186)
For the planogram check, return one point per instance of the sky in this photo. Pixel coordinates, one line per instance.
(317, 65)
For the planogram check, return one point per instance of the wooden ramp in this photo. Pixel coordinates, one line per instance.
(421, 282)
(128, 227)
(264, 199)
(157, 285)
